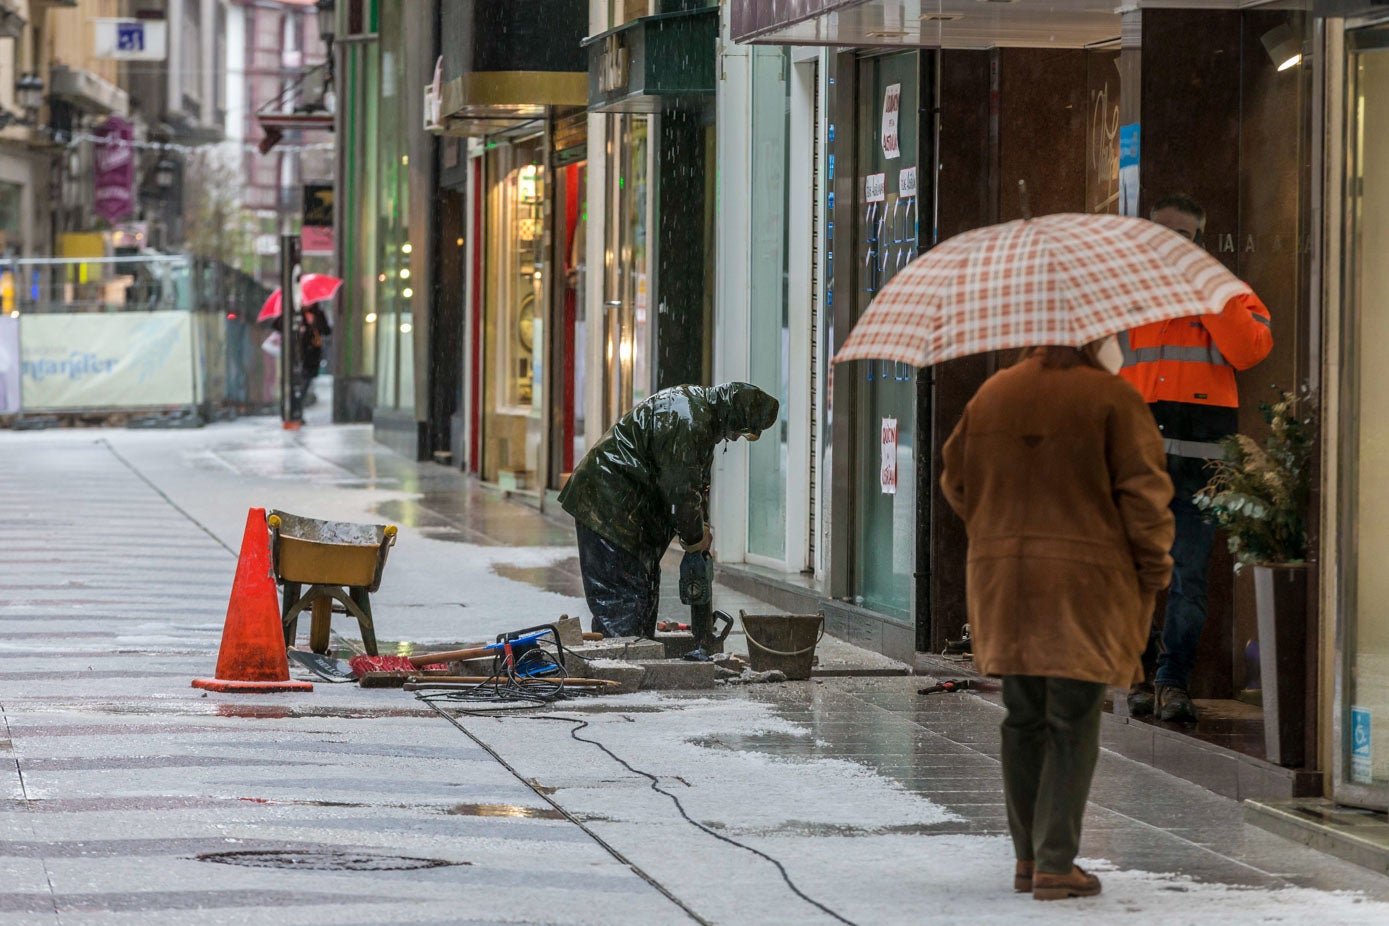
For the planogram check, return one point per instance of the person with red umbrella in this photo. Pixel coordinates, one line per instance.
(313, 326)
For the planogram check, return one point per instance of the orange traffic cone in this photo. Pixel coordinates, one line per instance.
(252, 657)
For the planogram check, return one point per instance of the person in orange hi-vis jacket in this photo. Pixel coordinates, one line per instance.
(1185, 370)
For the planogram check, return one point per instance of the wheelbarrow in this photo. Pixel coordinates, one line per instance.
(339, 562)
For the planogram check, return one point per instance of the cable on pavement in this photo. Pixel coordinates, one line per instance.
(655, 786)
(162, 494)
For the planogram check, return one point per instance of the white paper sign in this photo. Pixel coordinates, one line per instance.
(892, 102)
(116, 360)
(906, 182)
(875, 188)
(888, 474)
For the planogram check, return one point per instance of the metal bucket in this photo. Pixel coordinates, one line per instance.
(783, 641)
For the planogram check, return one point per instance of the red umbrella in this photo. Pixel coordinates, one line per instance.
(313, 287)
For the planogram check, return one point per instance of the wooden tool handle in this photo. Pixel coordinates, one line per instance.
(481, 679)
(454, 655)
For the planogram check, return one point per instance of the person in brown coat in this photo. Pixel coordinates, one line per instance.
(1059, 472)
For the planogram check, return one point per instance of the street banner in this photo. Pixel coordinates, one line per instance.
(123, 360)
(114, 159)
(9, 365)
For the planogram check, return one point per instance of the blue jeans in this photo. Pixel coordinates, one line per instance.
(1186, 597)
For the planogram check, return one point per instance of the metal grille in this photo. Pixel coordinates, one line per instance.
(323, 860)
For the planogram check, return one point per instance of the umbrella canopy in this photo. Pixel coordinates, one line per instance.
(313, 287)
(1059, 279)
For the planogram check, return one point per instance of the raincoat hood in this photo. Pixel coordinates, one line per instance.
(742, 408)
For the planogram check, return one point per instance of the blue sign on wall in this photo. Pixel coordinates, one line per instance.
(130, 36)
(1361, 753)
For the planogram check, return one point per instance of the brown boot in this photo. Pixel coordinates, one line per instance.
(1079, 883)
(1022, 876)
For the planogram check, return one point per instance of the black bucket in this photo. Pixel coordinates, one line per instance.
(783, 641)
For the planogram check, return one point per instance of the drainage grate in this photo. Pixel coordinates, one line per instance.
(323, 860)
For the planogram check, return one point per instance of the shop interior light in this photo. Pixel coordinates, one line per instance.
(405, 273)
(407, 292)
(406, 248)
(371, 318)
(406, 327)
(459, 242)
(380, 278)
(1283, 47)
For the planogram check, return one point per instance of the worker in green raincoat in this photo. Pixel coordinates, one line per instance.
(646, 483)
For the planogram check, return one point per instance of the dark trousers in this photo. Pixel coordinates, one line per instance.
(1051, 741)
(1185, 617)
(623, 588)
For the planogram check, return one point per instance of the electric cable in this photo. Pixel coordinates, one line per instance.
(655, 786)
(162, 494)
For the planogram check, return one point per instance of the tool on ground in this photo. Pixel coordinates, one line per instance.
(340, 562)
(252, 654)
(453, 681)
(697, 591)
(325, 667)
(671, 627)
(949, 685)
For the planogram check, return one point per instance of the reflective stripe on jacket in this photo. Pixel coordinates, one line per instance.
(1193, 359)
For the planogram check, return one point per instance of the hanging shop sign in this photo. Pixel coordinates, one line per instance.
(892, 104)
(114, 162)
(132, 39)
(318, 218)
(654, 63)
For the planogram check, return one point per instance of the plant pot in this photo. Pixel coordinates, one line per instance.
(1280, 599)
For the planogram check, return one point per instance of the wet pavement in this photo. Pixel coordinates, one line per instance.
(128, 796)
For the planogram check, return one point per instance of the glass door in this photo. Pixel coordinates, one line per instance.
(886, 237)
(627, 262)
(1362, 671)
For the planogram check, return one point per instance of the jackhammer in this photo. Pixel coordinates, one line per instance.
(697, 591)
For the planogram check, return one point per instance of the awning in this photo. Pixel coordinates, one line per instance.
(656, 62)
(969, 24)
(86, 91)
(504, 63)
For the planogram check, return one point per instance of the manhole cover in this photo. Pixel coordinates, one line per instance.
(323, 860)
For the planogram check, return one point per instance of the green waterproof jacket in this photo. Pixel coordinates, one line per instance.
(646, 481)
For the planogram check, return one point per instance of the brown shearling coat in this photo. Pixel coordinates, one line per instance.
(1061, 479)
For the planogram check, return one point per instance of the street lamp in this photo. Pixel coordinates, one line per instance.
(327, 13)
(28, 92)
(165, 172)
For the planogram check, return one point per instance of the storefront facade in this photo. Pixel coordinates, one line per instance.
(1354, 39)
(512, 80)
(650, 226)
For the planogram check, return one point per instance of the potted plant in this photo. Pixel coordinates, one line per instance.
(1259, 495)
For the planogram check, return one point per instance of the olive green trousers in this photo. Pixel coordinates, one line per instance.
(1051, 741)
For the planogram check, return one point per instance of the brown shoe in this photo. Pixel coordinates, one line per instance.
(1079, 883)
(1022, 876)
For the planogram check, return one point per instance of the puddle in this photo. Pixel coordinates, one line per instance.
(505, 810)
(561, 577)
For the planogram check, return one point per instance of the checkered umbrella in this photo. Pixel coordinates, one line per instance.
(1058, 279)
